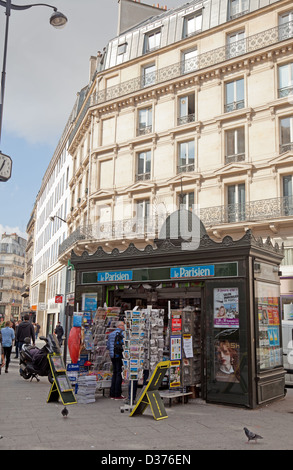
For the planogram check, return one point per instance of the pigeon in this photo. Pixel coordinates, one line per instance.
(251, 436)
(64, 412)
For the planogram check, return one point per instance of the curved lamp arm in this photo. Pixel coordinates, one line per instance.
(58, 20)
(24, 7)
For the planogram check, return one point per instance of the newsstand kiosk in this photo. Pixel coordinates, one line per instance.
(234, 288)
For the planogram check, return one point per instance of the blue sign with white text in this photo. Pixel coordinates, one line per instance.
(183, 272)
(115, 276)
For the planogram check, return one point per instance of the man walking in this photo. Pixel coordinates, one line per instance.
(25, 330)
(114, 345)
(59, 333)
(7, 335)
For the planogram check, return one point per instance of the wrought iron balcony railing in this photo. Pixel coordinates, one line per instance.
(286, 147)
(136, 228)
(263, 209)
(142, 176)
(233, 106)
(185, 119)
(144, 130)
(185, 168)
(286, 91)
(239, 157)
(216, 56)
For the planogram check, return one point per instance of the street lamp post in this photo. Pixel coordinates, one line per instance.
(52, 217)
(57, 19)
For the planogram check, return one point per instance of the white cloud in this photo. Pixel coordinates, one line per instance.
(10, 230)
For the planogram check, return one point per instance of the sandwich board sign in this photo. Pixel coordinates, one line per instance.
(61, 387)
(151, 394)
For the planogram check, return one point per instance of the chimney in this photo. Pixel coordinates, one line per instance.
(93, 66)
(132, 12)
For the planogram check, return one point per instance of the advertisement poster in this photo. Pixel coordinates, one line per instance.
(176, 321)
(176, 324)
(269, 351)
(174, 375)
(175, 343)
(227, 360)
(226, 307)
(187, 346)
(89, 305)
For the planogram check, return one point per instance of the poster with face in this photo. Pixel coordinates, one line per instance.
(226, 307)
(227, 359)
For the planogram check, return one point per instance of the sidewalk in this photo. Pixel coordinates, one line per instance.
(27, 421)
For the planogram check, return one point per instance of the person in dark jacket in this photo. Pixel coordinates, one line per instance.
(59, 333)
(25, 330)
(116, 384)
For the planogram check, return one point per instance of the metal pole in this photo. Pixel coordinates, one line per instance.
(3, 75)
(66, 333)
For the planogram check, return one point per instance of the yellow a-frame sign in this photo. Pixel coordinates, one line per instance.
(61, 386)
(151, 394)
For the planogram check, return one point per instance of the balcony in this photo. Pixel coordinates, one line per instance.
(149, 228)
(234, 106)
(126, 229)
(142, 176)
(185, 168)
(286, 91)
(185, 119)
(207, 59)
(288, 147)
(261, 210)
(239, 157)
(144, 130)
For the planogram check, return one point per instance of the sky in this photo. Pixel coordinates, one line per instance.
(45, 70)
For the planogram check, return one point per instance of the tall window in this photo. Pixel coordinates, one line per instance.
(285, 80)
(238, 8)
(186, 156)
(189, 61)
(235, 44)
(236, 202)
(286, 25)
(152, 41)
(186, 109)
(192, 24)
(148, 75)
(145, 121)
(142, 216)
(143, 166)
(286, 134)
(142, 208)
(187, 200)
(234, 95)
(287, 195)
(235, 145)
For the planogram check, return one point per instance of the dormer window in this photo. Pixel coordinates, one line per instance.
(152, 41)
(192, 24)
(122, 48)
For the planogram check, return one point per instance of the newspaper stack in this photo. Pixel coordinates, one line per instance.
(86, 389)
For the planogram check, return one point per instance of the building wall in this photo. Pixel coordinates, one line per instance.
(111, 123)
(48, 276)
(12, 266)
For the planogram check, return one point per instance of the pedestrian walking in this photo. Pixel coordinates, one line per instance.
(25, 330)
(59, 333)
(16, 342)
(37, 330)
(114, 345)
(7, 338)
